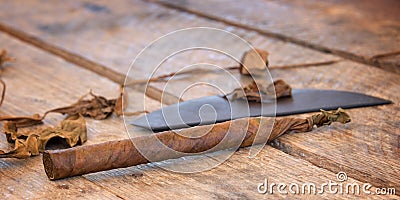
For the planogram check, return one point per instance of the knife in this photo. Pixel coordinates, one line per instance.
(215, 109)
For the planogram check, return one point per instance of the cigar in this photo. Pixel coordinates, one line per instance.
(81, 160)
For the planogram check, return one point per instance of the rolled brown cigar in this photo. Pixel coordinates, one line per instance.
(124, 153)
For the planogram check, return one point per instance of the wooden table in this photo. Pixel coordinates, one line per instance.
(65, 49)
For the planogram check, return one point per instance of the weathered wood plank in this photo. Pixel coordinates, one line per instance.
(37, 82)
(351, 29)
(237, 178)
(125, 30)
(25, 179)
(85, 63)
(121, 48)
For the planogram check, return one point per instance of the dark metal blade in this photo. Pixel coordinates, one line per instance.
(214, 109)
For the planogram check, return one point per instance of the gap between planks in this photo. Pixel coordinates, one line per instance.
(152, 92)
(344, 54)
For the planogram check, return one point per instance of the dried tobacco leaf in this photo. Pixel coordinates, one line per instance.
(23, 148)
(253, 93)
(97, 108)
(5, 58)
(282, 89)
(250, 63)
(250, 92)
(24, 121)
(11, 132)
(327, 117)
(72, 129)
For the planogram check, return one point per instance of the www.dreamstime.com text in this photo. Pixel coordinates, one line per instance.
(341, 186)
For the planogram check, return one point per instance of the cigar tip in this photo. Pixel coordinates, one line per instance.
(48, 165)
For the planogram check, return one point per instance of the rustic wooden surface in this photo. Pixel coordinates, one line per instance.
(97, 35)
(35, 84)
(366, 32)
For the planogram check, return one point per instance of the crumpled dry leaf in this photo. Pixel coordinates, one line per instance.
(250, 63)
(72, 129)
(5, 58)
(327, 117)
(282, 89)
(23, 121)
(293, 124)
(23, 148)
(250, 92)
(98, 108)
(253, 93)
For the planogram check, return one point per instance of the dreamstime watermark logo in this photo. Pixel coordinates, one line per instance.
(340, 186)
(150, 63)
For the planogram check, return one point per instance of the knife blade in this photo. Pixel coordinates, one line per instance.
(215, 109)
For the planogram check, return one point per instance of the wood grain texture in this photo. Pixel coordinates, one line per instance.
(24, 179)
(86, 63)
(115, 35)
(368, 147)
(351, 29)
(235, 179)
(37, 82)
